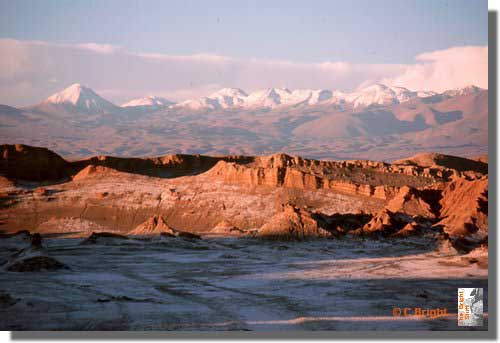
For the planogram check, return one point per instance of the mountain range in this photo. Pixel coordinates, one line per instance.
(377, 121)
(79, 98)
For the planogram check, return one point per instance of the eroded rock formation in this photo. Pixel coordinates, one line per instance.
(360, 178)
(293, 224)
(414, 202)
(154, 226)
(225, 228)
(94, 171)
(464, 212)
(34, 258)
(157, 226)
(233, 195)
(22, 162)
(432, 160)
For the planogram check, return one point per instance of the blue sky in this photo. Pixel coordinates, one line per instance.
(187, 49)
(368, 31)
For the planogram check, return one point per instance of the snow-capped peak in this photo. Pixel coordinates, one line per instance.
(70, 95)
(229, 97)
(79, 97)
(426, 94)
(379, 94)
(320, 95)
(375, 94)
(270, 97)
(204, 103)
(230, 92)
(470, 89)
(149, 101)
(308, 97)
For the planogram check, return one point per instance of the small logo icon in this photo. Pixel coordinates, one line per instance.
(470, 307)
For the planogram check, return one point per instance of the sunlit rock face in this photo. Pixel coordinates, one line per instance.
(184, 231)
(293, 224)
(247, 196)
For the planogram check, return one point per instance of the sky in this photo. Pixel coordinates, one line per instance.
(182, 49)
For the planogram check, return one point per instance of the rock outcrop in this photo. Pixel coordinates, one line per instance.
(458, 208)
(104, 238)
(157, 226)
(34, 258)
(238, 194)
(6, 182)
(464, 213)
(360, 178)
(92, 171)
(293, 224)
(231, 172)
(165, 166)
(384, 223)
(415, 202)
(408, 213)
(481, 158)
(433, 160)
(188, 235)
(343, 223)
(225, 228)
(22, 162)
(154, 226)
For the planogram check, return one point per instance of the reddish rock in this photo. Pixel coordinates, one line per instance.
(93, 171)
(154, 226)
(225, 228)
(22, 162)
(410, 229)
(446, 161)
(464, 212)
(411, 202)
(384, 223)
(6, 182)
(42, 191)
(293, 224)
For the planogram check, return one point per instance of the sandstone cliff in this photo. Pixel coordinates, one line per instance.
(199, 193)
(464, 212)
(280, 176)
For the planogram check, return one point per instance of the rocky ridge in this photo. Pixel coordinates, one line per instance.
(263, 196)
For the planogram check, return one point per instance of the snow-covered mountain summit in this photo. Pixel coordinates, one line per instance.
(271, 98)
(229, 97)
(79, 98)
(379, 94)
(470, 89)
(149, 101)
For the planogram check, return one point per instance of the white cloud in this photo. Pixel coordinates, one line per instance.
(99, 48)
(28, 69)
(446, 69)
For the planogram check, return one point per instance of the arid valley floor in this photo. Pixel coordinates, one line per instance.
(193, 242)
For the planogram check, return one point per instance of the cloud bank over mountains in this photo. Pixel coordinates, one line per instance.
(32, 70)
(446, 69)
